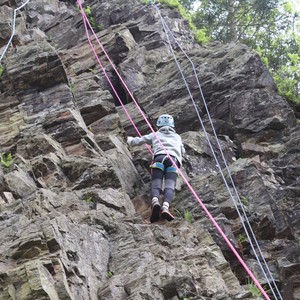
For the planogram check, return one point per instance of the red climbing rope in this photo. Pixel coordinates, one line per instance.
(86, 22)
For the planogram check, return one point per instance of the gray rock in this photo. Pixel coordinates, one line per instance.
(20, 183)
(74, 211)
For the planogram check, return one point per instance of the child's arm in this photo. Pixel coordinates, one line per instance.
(136, 141)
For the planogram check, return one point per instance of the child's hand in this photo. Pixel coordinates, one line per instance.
(129, 140)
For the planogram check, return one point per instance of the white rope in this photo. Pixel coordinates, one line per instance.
(13, 29)
(166, 28)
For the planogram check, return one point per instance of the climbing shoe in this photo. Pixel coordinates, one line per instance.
(165, 214)
(155, 210)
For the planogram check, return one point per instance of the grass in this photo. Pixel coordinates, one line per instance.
(1, 71)
(187, 216)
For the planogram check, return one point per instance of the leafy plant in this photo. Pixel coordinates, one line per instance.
(171, 3)
(72, 87)
(89, 199)
(93, 70)
(242, 242)
(245, 200)
(88, 11)
(201, 36)
(6, 160)
(242, 239)
(74, 68)
(110, 274)
(253, 289)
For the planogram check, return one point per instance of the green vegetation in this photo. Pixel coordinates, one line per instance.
(271, 28)
(242, 239)
(199, 33)
(92, 20)
(287, 78)
(72, 87)
(89, 199)
(1, 71)
(6, 160)
(187, 216)
(253, 289)
(93, 70)
(110, 274)
(245, 201)
(146, 2)
(177, 212)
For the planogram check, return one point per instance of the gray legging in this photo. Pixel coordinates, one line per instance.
(158, 175)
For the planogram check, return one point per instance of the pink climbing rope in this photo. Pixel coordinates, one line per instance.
(86, 21)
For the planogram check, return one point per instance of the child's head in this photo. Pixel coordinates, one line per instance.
(165, 120)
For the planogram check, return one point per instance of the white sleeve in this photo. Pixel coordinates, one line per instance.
(145, 139)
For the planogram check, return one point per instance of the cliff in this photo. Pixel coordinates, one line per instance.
(74, 205)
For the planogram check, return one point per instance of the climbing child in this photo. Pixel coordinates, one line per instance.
(162, 166)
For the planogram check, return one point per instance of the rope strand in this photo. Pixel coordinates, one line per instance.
(13, 29)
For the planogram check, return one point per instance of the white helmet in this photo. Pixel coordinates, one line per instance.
(165, 120)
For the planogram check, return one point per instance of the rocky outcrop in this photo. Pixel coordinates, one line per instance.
(74, 204)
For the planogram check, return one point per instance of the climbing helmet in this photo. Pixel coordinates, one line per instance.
(165, 120)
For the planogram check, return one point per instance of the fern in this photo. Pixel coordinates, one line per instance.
(253, 289)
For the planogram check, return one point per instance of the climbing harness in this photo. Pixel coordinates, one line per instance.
(171, 169)
(158, 165)
(167, 32)
(161, 165)
(86, 25)
(13, 29)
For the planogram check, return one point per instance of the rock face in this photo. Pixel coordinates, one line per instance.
(74, 204)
